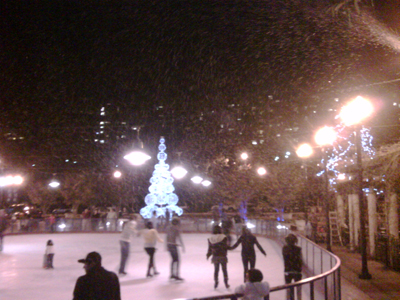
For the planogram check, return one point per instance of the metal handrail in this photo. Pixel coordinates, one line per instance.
(310, 280)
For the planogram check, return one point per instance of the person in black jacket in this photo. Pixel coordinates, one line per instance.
(293, 263)
(248, 240)
(98, 283)
(218, 248)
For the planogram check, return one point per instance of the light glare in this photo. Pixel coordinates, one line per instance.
(137, 158)
(305, 150)
(357, 110)
(261, 171)
(178, 172)
(196, 179)
(325, 136)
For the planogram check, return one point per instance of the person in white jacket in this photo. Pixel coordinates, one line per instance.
(49, 255)
(128, 229)
(254, 288)
(150, 236)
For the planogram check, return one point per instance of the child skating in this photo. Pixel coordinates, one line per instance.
(49, 255)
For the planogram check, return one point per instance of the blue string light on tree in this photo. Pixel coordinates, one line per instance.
(341, 155)
(161, 196)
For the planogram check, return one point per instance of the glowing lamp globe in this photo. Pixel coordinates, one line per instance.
(305, 150)
(54, 184)
(178, 172)
(137, 158)
(261, 171)
(357, 110)
(206, 182)
(196, 179)
(325, 136)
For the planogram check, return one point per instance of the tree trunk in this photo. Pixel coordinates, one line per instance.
(372, 221)
(393, 216)
(340, 211)
(354, 221)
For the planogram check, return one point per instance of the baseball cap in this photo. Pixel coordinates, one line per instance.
(91, 257)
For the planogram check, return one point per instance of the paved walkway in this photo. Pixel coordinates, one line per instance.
(384, 285)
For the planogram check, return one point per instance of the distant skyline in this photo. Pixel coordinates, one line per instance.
(62, 60)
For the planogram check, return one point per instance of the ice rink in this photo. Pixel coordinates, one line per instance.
(23, 278)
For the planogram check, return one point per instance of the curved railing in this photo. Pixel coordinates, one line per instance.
(322, 268)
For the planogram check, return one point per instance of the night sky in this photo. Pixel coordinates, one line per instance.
(61, 59)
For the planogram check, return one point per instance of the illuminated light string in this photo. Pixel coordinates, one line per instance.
(161, 197)
(341, 151)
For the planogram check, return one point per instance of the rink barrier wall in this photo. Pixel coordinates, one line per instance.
(321, 267)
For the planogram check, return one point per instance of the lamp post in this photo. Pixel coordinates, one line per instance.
(137, 157)
(324, 138)
(352, 114)
(304, 151)
(117, 175)
(9, 180)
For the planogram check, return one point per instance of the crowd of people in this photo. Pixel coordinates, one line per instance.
(97, 279)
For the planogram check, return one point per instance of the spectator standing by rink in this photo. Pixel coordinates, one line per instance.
(3, 227)
(52, 223)
(151, 237)
(174, 240)
(49, 255)
(128, 229)
(248, 240)
(154, 220)
(239, 223)
(98, 283)
(293, 264)
(96, 218)
(218, 248)
(254, 288)
(226, 226)
(111, 219)
(86, 220)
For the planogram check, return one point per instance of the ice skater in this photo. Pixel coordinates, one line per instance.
(128, 229)
(174, 240)
(254, 288)
(49, 255)
(151, 237)
(248, 240)
(218, 248)
(293, 264)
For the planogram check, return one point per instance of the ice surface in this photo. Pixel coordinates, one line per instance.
(23, 278)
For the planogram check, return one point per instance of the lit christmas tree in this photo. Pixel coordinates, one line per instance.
(161, 197)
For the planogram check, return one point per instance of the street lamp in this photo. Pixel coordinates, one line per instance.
(352, 114)
(261, 171)
(9, 180)
(54, 184)
(244, 156)
(117, 174)
(304, 151)
(179, 172)
(325, 138)
(196, 179)
(137, 157)
(206, 182)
